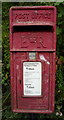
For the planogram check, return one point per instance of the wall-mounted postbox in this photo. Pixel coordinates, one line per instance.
(32, 57)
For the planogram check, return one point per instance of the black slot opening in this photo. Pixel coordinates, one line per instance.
(32, 28)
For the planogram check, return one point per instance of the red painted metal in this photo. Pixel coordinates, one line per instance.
(33, 29)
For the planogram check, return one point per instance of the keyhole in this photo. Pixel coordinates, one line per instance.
(20, 81)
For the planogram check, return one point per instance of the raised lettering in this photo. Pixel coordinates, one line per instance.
(34, 40)
(24, 42)
(33, 16)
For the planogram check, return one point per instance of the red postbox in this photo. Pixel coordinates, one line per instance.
(32, 57)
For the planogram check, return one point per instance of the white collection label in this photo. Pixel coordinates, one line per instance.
(32, 78)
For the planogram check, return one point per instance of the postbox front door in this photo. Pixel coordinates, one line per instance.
(32, 57)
